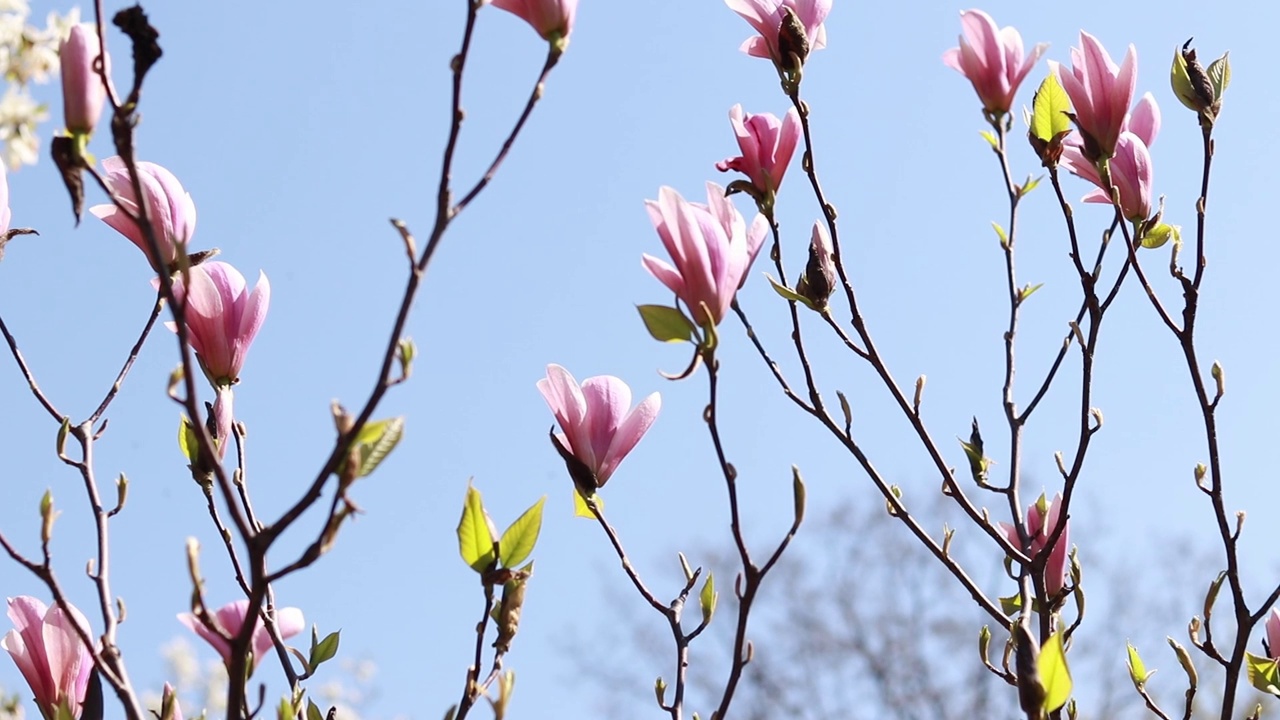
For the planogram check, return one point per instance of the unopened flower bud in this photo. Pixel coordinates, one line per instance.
(793, 41)
(1198, 88)
(819, 276)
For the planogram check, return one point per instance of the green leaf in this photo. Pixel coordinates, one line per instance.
(476, 535)
(1011, 605)
(1160, 234)
(1219, 72)
(1264, 673)
(187, 441)
(1028, 290)
(313, 712)
(1054, 675)
(518, 541)
(1180, 80)
(376, 440)
(324, 650)
(1000, 233)
(1049, 110)
(666, 324)
(1137, 670)
(708, 597)
(1029, 185)
(788, 293)
(580, 508)
(991, 138)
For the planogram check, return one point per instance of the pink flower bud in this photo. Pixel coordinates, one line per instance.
(1042, 520)
(992, 59)
(83, 92)
(47, 649)
(1273, 633)
(600, 426)
(711, 250)
(553, 19)
(169, 207)
(229, 619)
(223, 317)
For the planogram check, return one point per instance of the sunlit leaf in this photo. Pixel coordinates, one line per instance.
(1137, 669)
(580, 508)
(475, 533)
(708, 597)
(1049, 110)
(788, 293)
(376, 440)
(1264, 673)
(519, 539)
(324, 650)
(1054, 675)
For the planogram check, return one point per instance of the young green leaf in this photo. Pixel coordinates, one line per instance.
(1000, 233)
(313, 712)
(324, 650)
(376, 440)
(187, 441)
(788, 293)
(475, 533)
(666, 324)
(1264, 673)
(580, 508)
(1137, 670)
(708, 597)
(1219, 73)
(518, 541)
(1160, 234)
(1049, 110)
(991, 138)
(1054, 675)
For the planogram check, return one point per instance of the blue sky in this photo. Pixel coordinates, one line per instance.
(299, 133)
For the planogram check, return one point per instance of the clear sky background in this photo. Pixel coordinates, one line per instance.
(299, 129)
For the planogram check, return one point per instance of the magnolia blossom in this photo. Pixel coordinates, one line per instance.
(766, 17)
(600, 426)
(1100, 94)
(1273, 633)
(553, 19)
(223, 316)
(83, 91)
(169, 208)
(992, 59)
(1130, 167)
(711, 250)
(229, 620)
(1042, 520)
(20, 117)
(767, 144)
(50, 654)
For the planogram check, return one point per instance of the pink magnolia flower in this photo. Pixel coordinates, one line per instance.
(1040, 527)
(229, 619)
(767, 144)
(47, 649)
(83, 92)
(711, 250)
(223, 317)
(1130, 168)
(992, 59)
(766, 17)
(169, 207)
(553, 19)
(600, 426)
(1273, 633)
(1100, 93)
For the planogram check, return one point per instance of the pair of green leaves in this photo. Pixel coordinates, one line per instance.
(478, 540)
